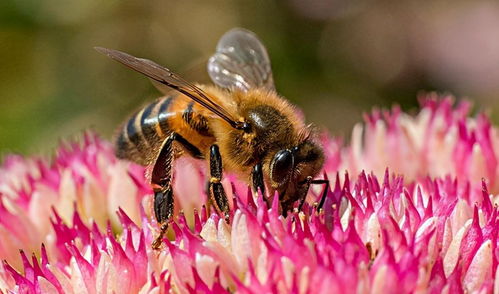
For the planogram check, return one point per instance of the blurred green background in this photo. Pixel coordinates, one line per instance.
(333, 58)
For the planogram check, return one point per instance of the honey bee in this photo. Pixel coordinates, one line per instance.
(242, 119)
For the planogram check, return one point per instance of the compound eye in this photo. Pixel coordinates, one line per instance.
(281, 168)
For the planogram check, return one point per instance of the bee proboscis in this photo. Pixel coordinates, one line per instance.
(242, 119)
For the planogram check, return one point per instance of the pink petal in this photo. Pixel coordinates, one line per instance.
(480, 269)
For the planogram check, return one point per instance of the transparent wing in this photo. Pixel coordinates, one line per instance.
(166, 77)
(241, 61)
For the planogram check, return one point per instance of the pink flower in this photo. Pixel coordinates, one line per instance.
(430, 229)
(440, 140)
(86, 177)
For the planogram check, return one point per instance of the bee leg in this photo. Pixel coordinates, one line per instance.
(187, 146)
(163, 209)
(163, 193)
(286, 206)
(302, 201)
(257, 181)
(324, 193)
(215, 186)
(303, 197)
(161, 181)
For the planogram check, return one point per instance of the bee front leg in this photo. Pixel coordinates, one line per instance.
(324, 193)
(285, 207)
(309, 182)
(215, 186)
(258, 182)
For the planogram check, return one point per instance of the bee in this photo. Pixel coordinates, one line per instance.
(259, 134)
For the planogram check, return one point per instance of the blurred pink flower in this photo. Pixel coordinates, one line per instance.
(431, 231)
(440, 140)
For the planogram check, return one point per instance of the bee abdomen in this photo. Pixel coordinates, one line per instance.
(196, 120)
(141, 136)
(144, 131)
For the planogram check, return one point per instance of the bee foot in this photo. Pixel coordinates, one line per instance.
(156, 244)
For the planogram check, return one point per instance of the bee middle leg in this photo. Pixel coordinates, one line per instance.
(215, 186)
(161, 181)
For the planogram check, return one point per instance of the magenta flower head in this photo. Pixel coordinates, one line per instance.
(411, 209)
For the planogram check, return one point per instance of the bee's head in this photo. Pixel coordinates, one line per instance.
(290, 168)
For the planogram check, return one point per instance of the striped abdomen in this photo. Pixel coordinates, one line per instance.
(141, 137)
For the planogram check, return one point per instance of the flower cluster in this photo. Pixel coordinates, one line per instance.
(440, 140)
(83, 177)
(430, 229)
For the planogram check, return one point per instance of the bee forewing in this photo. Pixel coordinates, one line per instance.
(164, 76)
(241, 61)
(145, 66)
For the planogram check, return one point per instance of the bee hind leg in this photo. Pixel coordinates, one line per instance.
(215, 186)
(161, 181)
(163, 209)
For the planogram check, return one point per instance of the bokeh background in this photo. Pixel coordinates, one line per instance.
(333, 58)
